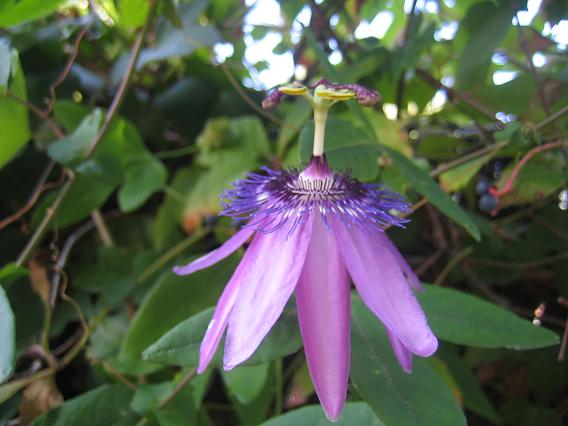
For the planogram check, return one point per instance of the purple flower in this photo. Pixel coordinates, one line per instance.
(312, 230)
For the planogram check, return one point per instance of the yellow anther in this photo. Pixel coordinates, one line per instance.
(334, 94)
(293, 90)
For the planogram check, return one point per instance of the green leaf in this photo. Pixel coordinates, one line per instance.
(458, 177)
(468, 320)
(248, 132)
(7, 337)
(172, 42)
(15, 12)
(346, 148)
(73, 148)
(105, 405)
(397, 398)
(293, 122)
(87, 193)
(424, 184)
(180, 345)
(485, 25)
(14, 120)
(536, 180)
(11, 271)
(246, 383)
(133, 13)
(172, 300)
(143, 178)
(473, 397)
(354, 414)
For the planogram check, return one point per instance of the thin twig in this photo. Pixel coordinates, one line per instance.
(564, 344)
(452, 264)
(42, 227)
(170, 254)
(454, 94)
(244, 95)
(465, 158)
(517, 265)
(39, 189)
(102, 229)
(508, 187)
(119, 97)
(57, 131)
(182, 384)
(67, 68)
(552, 118)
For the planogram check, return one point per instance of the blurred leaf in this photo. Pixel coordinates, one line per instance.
(396, 397)
(346, 148)
(172, 300)
(10, 272)
(87, 193)
(168, 219)
(15, 12)
(536, 180)
(246, 383)
(133, 13)
(295, 118)
(72, 149)
(107, 338)
(485, 25)
(458, 177)
(7, 337)
(40, 396)
(473, 397)
(180, 345)
(180, 410)
(143, 178)
(354, 414)
(172, 42)
(424, 184)
(5, 65)
(14, 120)
(105, 405)
(468, 320)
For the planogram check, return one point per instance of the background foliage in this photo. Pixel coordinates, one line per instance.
(121, 122)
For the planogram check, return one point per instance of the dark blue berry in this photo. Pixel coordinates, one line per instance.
(482, 186)
(487, 203)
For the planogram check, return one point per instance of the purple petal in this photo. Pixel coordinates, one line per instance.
(322, 299)
(411, 277)
(268, 283)
(230, 246)
(218, 323)
(403, 355)
(383, 287)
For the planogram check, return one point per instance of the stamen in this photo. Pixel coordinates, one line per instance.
(271, 200)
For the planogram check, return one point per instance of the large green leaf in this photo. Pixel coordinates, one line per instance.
(14, 120)
(468, 320)
(133, 13)
(424, 184)
(485, 24)
(354, 414)
(172, 42)
(7, 337)
(73, 149)
(180, 345)
(397, 398)
(15, 12)
(173, 299)
(143, 178)
(105, 405)
(246, 383)
(346, 148)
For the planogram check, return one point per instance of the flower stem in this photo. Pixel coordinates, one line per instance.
(320, 117)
